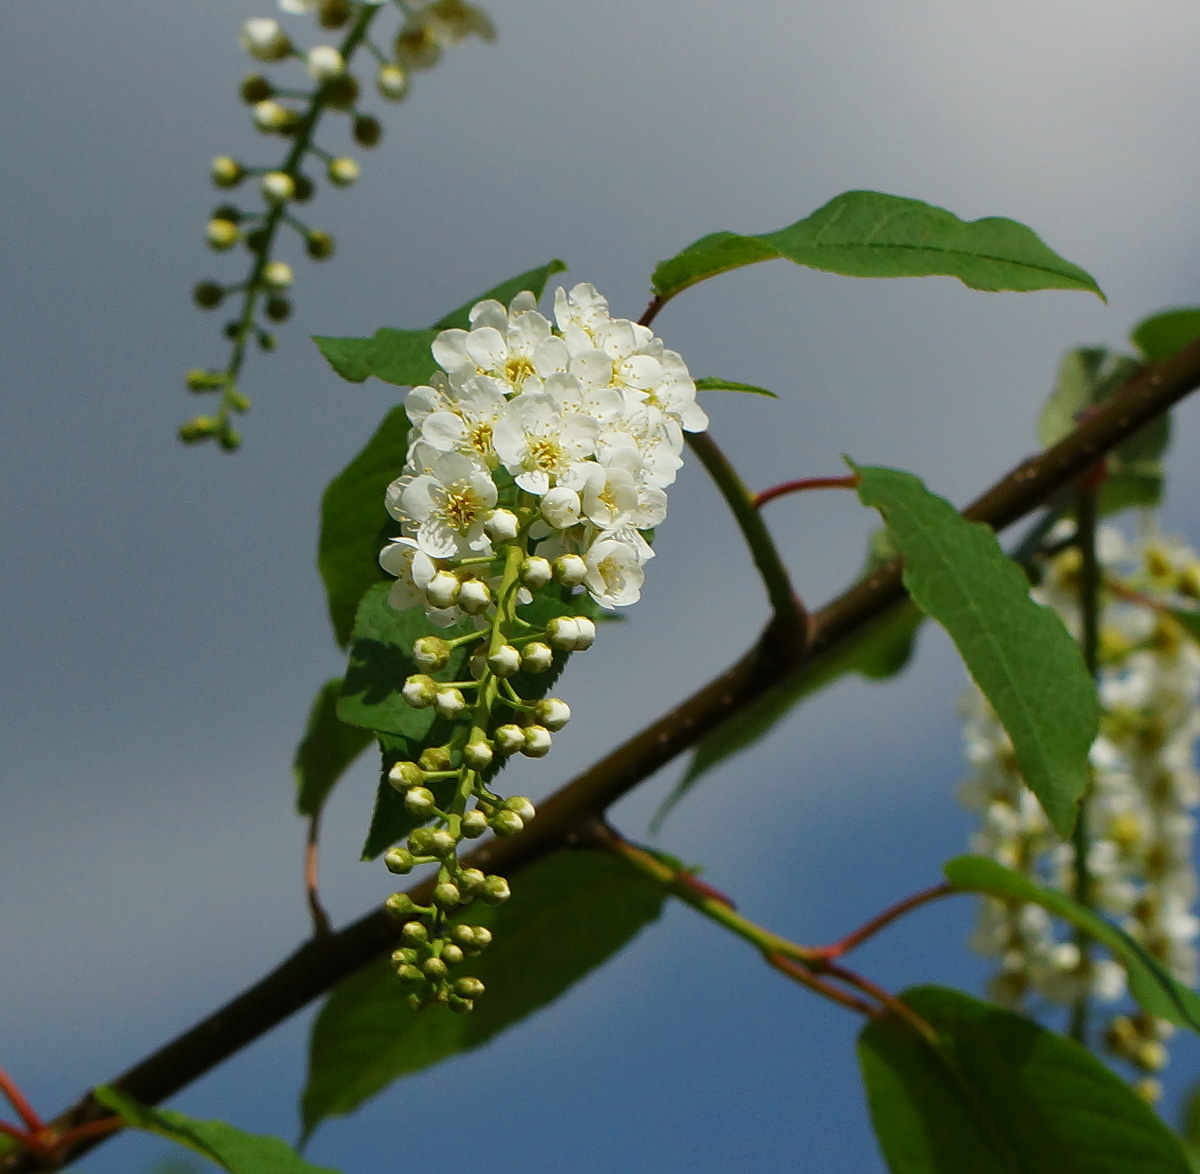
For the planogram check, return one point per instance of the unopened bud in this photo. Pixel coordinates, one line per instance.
(325, 63)
(200, 380)
(221, 234)
(319, 245)
(502, 526)
(226, 172)
(483, 935)
(368, 130)
(442, 590)
(342, 171)
(569, 570)
(537, 657)
(507, 823)
(447, 895)
(434, 968)
(200, 428)
(414, 932)
(407, 972)
(553, 713)
(505, 661)
(279, 309)
(521, 806)
(419, 800)
(563, 632)
(263, 39)
(460, 1006)
(403, 775)
(440, 842)
(494, 891)
(470, 880)
(404, 954)
(278, 187)
(207, 295)
(477, 755)
(435, 758)
(509, 738)
(587, 634)
(342, 92)
(399, 904)
(474, 597)
(255, 88)
(464, 935)
(452, 955)
(537, 742)
(431, 653)
(277, 274)
(474, 824)
(468, 988)
(449, 702)
(536, 572)
(391, 82)
(420, 691)
(1151, 1056)
(271, 117)
(332, 14)
(398, 860)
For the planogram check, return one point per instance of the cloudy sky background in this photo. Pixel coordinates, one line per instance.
(164, 627)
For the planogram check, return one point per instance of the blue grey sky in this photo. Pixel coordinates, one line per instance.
(164, 627)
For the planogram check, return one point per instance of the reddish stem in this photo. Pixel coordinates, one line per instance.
(872, 927)
(320, 918)
(651, 311)
(689, 880)
(16, 1098)
(800, 486)
(803, 975)
(896, 1006)
(91, 1129)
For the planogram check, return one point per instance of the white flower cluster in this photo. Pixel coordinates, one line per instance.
(1144, 788)
(565, 438)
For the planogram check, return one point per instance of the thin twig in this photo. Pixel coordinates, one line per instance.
(17, 1099)
(802, 485)
(884, 919)
(320, 918)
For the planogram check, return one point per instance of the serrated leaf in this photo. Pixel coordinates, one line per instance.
(877, 651)
(1018, 652)
(355, 525)
(219, 1142)
(1087, 377)
(1001, 1095)
(568, 913)
(327, 750)
(1150, 984)
(870, 234)
(1162, 335)
(711, 383)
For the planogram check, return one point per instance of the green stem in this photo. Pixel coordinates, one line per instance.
(789, 613)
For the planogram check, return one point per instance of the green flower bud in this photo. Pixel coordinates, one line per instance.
(483, 936)
(368, 130)
(342, 92)
(399, 905)
(477, 755)
(462, 935)
(415, 933)
(277, 274)
(304, 189)
(342, 171)
(504, 661)
(509, 738)
(434, 968)
(332, 14)
(391, 82)
(494, 891)
(474, 824)
(521, 806)
(229, 438)
(537, 742)
(468, 988)
(221, 234)
(278, 187)
(536, 572)
(226, 172)
(319, 245)
(419, 842)
(415, 1002)
(255, 88)
(474, 597)
(470, 880)
(431, 653)
(441, 842)
(451, 954)
(1151, 1056)
(325, 63)
(419, 800)
(436, 758)
(569, 570)
(404, 774)
(401, 956)
(460, 1006)
(442, 590)
(208, 295)
(552, 713)
(507, 823)
(502, 526)
(398, 860)
(201, 428)
(409, 974)
(537, 657)
(264, 39)
(447, 895)
(200, 380)
(272, 118)
(279, 309)
(420, 691)
(232, 331)
(449, 702)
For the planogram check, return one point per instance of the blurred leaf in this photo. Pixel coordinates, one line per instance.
(1162, 335)
(229, 1148)
(870, 234)
(1002, 1096)
(569, 912)
(533, 280)
(355, 525)
(1189, 621)
(326, 751)
(711, 383)
(1149, 983)
(1019, 653)
(1086, 378)
(877, 651)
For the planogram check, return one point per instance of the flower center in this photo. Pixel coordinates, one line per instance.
(545, 453)
(461, 507)
(517, 370)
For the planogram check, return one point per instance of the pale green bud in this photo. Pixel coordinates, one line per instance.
(200, 380)
(431, 653)
(277, 274)
(264, 39)
(495, 891)
(449, 702)
(208, 295)
(468, 988)
(399, 905)
(553, 713)
(504, 661)
(319, 245)
(537, 742)
(403, 955)
(460, 1006)
(502, 526)
(447, 895)
(521, 806)
(367, 130)
(536, 572)
(410, 974)
(509, 738)
(507, 823)
(272, 118)
(279, 309)
(464, 935)
(474, 597)
(477, 755)
(483, 936)
(436, 758)
(342, 171)
(442, 590)
(451, 954)
(434, 968)
(403, 775)
(470, 879)
(441, 842)
(398, 860)
(419, 800)
(420, 691)
(325, 63)
(537, 657)
(226, 172)
(391, 82)
(278, 187)
(474, 824)
(255, 88)
(415, 932)
(569, 570)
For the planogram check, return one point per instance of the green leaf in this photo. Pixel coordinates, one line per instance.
(229, 1148)
(349, 357)
(870, 234)
(355, 525)
(1189, 621)
(568, 913)
(1149, 983)
(325, 753)
(1162, 335)
(711, 383)
(877, 651)
(1002, 1095)
(1018, 652)
(533, 280)
(1088, 377)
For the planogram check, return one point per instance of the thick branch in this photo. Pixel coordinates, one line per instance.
(321, 963)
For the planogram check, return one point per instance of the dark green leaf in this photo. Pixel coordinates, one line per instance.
(229, 1148)
(1162, 335)
(354, 523)
(711, 383)
(1002, 1096)
(1189, 621)
(403, 357)
(533, 280)
(1018, 652)
(877, 651)
(568, 913)
(869, 234)
(1086, 378)
(328, 748)
(349, 357)
(1149, 983)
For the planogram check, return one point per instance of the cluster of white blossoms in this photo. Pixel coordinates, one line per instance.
(1144, 788)
(538, 459)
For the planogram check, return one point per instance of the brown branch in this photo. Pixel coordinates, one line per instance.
(321, 963)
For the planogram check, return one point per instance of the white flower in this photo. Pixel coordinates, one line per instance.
(464, 420)
(561, 507)
(448, 505)
(298, 7)
(538, 443)
(614, 573)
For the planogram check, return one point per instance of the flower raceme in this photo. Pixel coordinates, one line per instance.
(538, 458)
